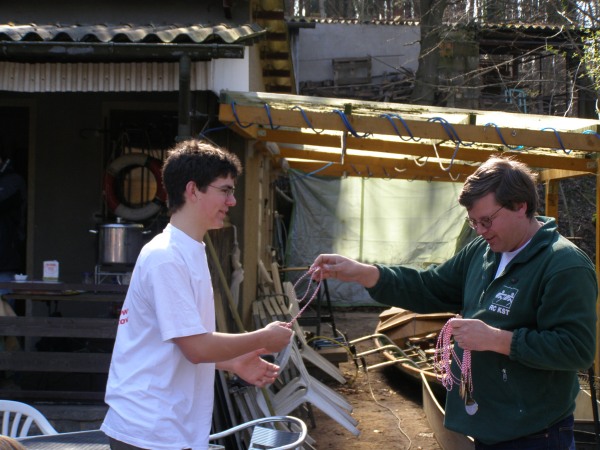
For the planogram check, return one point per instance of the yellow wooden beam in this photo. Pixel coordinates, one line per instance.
(558, 174)
(388, 166)
(554, 160)
(428, 173)
(512, 136)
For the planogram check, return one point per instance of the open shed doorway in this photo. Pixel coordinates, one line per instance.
(140, 132)
(14, 152)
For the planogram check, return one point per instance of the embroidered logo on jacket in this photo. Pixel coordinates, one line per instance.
(503, 300)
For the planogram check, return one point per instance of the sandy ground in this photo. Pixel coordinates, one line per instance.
(386, 402)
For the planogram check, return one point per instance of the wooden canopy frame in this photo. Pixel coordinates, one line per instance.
(339, 138)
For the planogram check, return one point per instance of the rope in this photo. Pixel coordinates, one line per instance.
(490, 124)
(305, 117)
(390, 118)
(268, 110)
(348, 125)
(560, 142)
(312, 297)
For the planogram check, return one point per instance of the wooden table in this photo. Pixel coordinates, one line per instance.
(30, 327)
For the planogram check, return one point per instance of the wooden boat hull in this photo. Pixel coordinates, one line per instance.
(448, 439)
(415, 335)
(401, 324)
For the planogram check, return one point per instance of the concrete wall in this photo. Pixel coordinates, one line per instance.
(389, 46)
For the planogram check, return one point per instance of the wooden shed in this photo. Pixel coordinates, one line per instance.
(348, 138)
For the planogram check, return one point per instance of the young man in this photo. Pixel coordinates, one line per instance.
(527, 297)
(161, 380)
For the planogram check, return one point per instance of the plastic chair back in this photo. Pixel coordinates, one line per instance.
(274, 432)
(263, 437)
(17, 419)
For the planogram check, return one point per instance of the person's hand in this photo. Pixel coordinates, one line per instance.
(344, 269)
(474, 334)
(278, 336)
(254, 370)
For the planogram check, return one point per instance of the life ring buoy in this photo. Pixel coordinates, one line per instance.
(116, 169)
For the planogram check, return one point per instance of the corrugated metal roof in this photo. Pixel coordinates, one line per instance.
(350, 21)
(131, 33)
(515, 26)
(100, 77)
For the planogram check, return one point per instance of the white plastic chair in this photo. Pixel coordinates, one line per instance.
(269, 437)
(18, 417)
(304, 388)
(308, 353)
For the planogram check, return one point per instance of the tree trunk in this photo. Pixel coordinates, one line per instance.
(426, 79)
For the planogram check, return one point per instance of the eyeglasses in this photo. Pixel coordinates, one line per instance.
(486, 222)
(227, 191)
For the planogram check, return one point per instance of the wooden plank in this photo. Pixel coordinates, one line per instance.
(279, 308)
(256, 315)
(271, 312)
(251, 252)
(421, 128)
(77, 291)
(446, 150)
(55, 362)
(59, 327)
(597, 357)
(559, 174)
(263, 315)
(551, 197)
(61, 396)
(368, 171)
(394, 165)
(276, 278)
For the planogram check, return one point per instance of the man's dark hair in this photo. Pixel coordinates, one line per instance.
(511, 182)
(197, 161)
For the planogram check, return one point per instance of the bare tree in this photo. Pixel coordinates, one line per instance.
(524, 76)
(432, 13)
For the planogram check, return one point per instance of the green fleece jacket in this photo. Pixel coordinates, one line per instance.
(546, 296)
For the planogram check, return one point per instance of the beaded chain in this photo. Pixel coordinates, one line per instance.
(312, 297)
(443, 356)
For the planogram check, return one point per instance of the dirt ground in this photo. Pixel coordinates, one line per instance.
(387, 403)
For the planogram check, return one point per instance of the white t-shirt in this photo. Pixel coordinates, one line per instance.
(508, 257)
(157, 399)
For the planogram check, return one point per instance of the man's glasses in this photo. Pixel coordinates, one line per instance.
(227, 191)
(486, 222)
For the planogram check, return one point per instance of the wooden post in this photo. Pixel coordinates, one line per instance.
(552, 198)
(251, 246)
(597, 359)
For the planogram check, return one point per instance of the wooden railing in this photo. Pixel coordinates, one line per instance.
(31, 359)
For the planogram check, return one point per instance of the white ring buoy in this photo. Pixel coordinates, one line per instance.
(114, 172)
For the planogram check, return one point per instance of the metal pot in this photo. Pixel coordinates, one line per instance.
(119, 243)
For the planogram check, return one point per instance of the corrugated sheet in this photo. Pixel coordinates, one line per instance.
(128, 33)
(515, 26)
(350, 21)
(99, 77)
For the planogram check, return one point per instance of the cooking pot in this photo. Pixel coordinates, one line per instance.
(119, 243)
